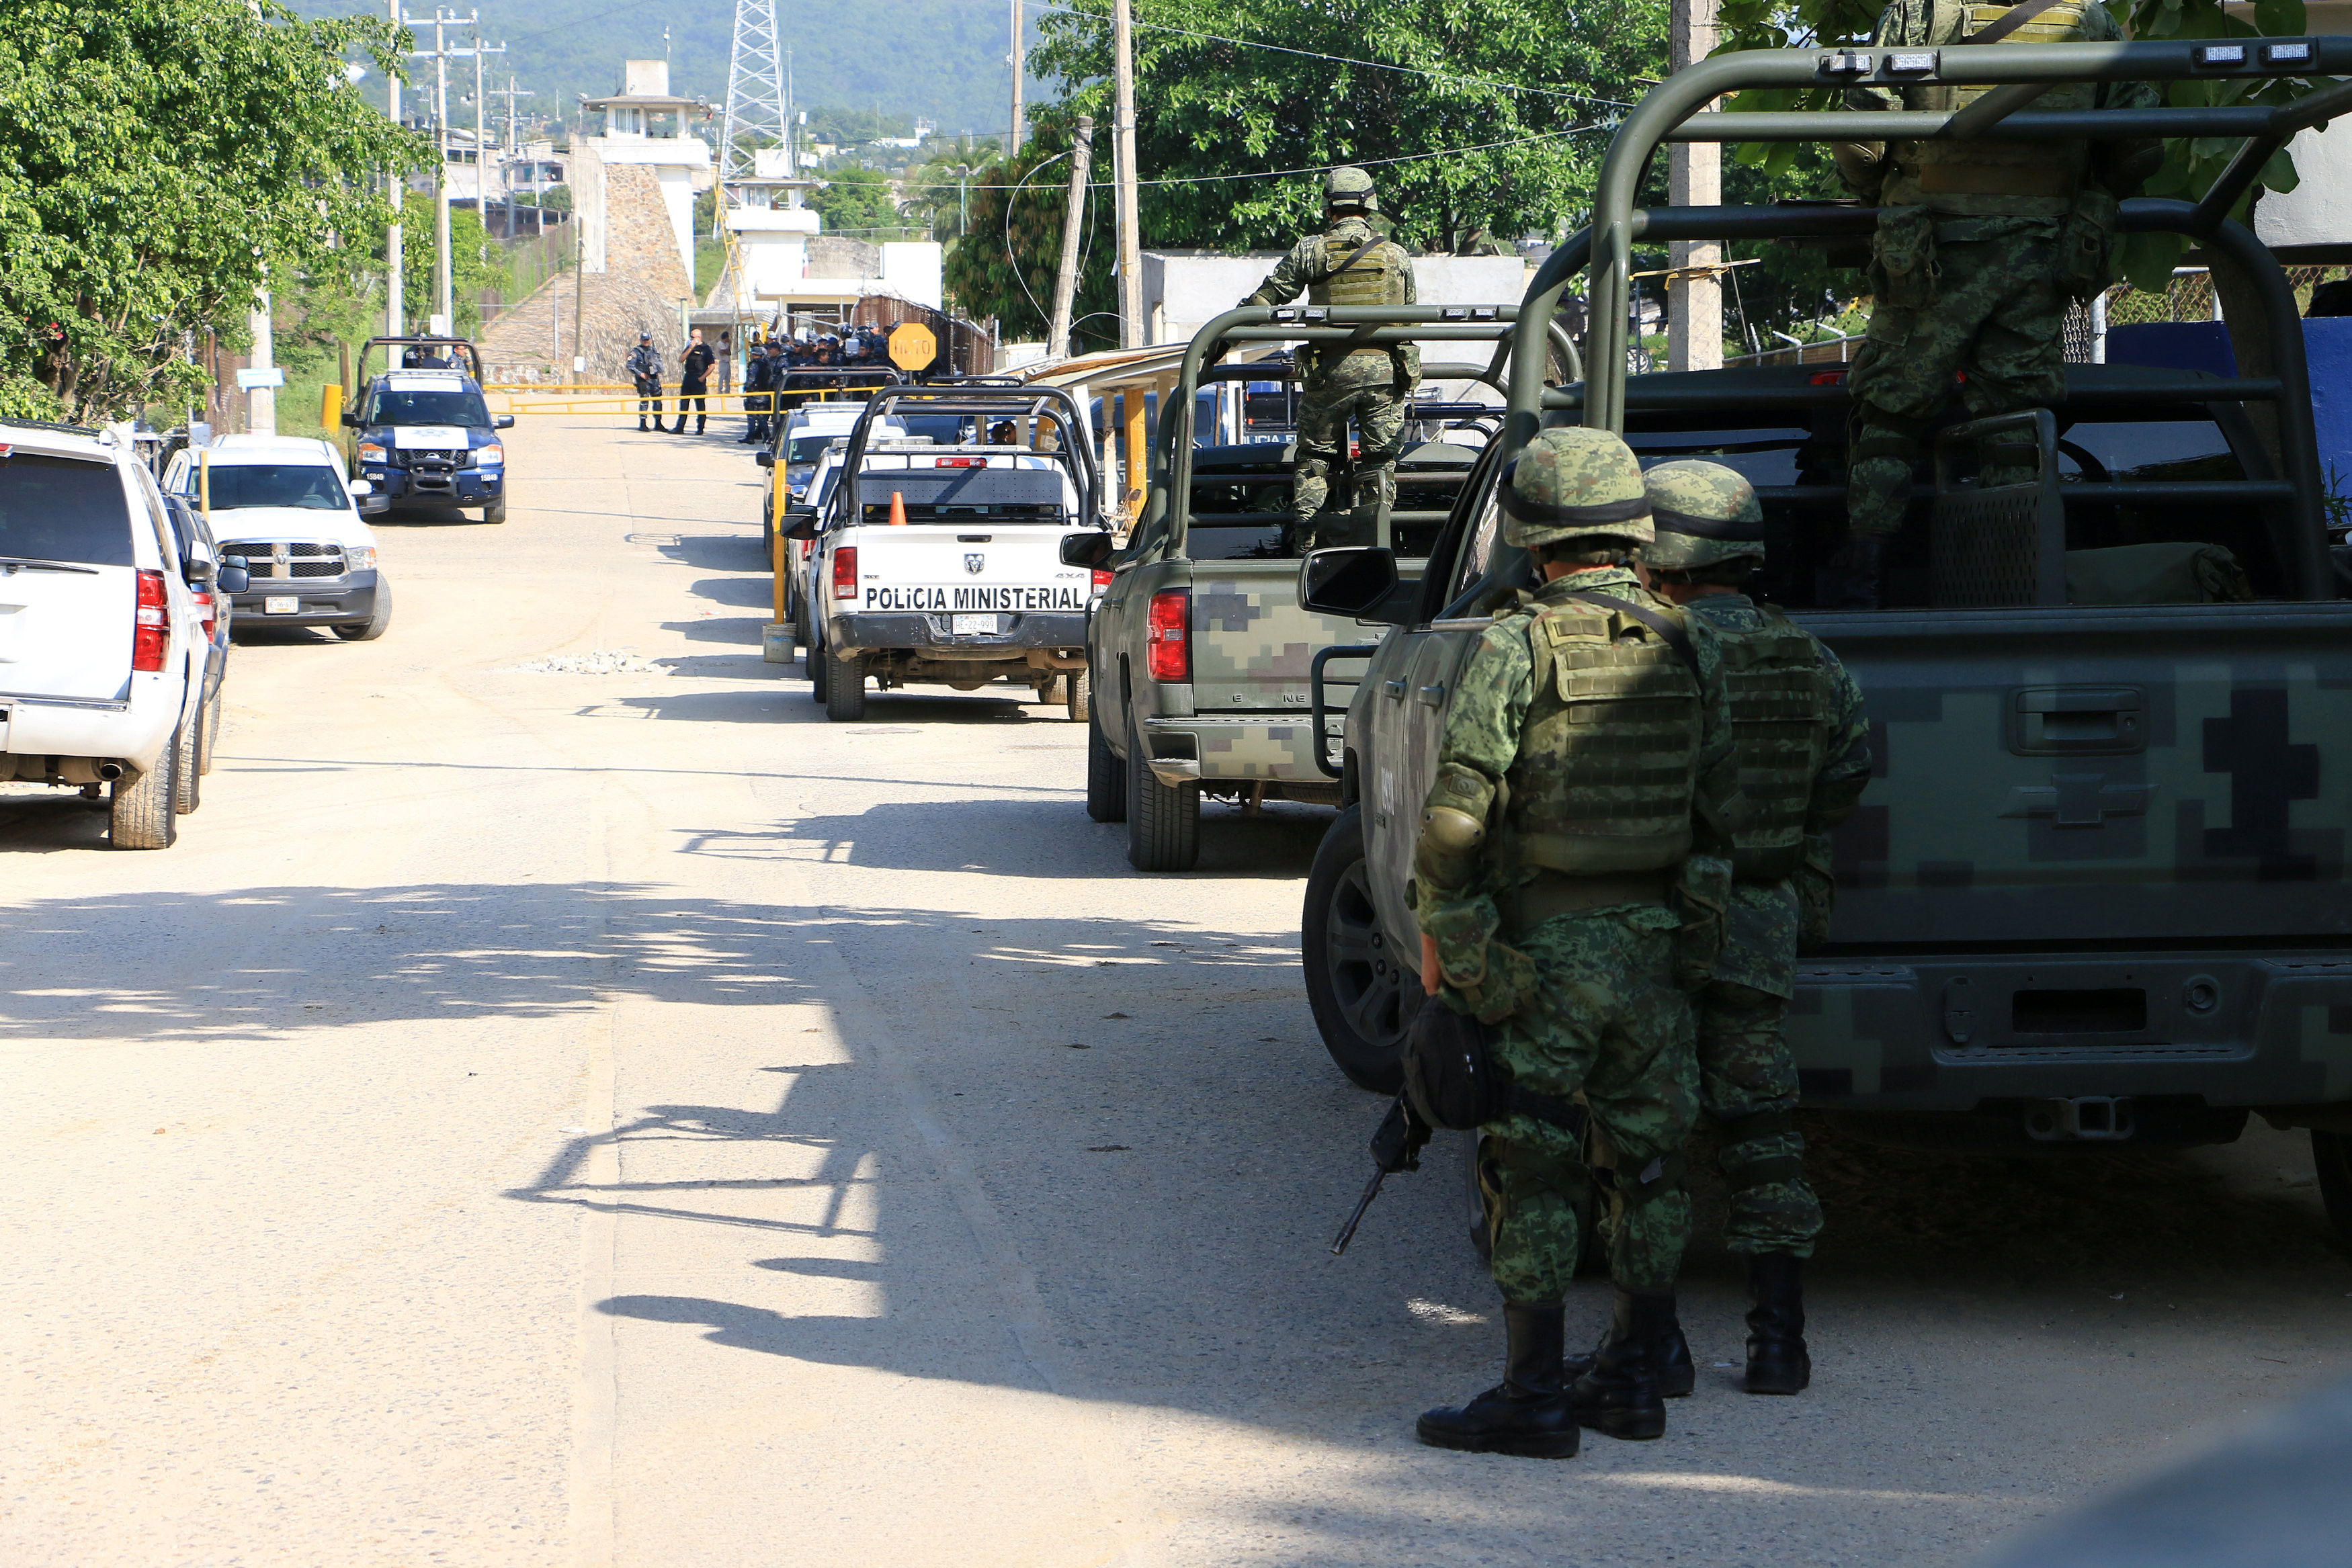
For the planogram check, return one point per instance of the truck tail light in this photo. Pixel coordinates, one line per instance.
(1168, 651)
(845, 572)
(1103, 576)
(205, 609)
(151, 631)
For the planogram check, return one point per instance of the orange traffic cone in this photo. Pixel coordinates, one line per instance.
(897, 511)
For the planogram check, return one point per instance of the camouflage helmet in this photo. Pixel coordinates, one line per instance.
(1571, 481)
(1704, 512)
(1349, 186)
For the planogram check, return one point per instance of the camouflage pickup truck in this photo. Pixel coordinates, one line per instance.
(1201, 659)
(2094, 897)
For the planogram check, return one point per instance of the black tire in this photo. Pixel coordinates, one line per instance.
(376, 625)
(139, 815)
(1049, 690)
(496, 512)
(2332, 1153)
(1362, 993)
(1105, 777)
(1163, 823)
(212, 725)
(188, 766)
(1079, 695)
(816, 670)
(844, 688)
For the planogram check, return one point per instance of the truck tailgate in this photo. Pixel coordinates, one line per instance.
(985, 568)
(2151, 775)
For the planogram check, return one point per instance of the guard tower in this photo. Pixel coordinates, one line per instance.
(634, 184)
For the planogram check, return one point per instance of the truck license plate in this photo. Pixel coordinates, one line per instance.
(967, 625)
(281, 606)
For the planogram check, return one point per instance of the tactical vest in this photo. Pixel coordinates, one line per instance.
(1373, 280)
(1985, 177)
(1774, 674)
(1609, 755)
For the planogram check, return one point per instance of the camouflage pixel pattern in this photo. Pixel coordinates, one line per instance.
(1258, 748)
(1483, 725)
(1323, 412)
(1704, 490)
(1253, 644)
(1573, 467)
(1610, 1022)
(1745, 1066)
(1999, 318)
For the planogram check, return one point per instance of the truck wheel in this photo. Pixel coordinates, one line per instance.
(496, 512)
(1361, 992)
(139, 815)
(1049, 689)
(816, 670)
(374, 626)
(2332, 1152)
(187, 750)
(212, 728)
(1163, 824)
(845, 688)
(1105, 778)
(1079, 695)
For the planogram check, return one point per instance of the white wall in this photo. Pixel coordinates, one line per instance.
(911, 269)
(2319, 211)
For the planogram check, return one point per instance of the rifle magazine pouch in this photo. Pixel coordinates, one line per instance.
(2086, 243)
(1903, 255)
(1449, 1077)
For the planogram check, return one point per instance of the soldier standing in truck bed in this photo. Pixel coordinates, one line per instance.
(1349, 264)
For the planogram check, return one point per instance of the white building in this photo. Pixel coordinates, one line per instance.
(645, 130)
(782, 261)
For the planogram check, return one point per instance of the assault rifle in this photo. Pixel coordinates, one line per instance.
(1397, 1144)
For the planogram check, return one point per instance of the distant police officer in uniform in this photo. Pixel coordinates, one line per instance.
(694, 381)
(1981, 246)
(645, 368)
(1804, 753)
(1588, 753)
(1349, 264)
(755, 387)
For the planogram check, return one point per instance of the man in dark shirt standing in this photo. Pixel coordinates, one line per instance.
(694, 381)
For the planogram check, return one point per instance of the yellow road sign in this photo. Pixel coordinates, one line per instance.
(912, 346)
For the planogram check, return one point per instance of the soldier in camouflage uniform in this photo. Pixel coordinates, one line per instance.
(1982, 245)
(1804, 749)
(1349, 264)
(1559, 902)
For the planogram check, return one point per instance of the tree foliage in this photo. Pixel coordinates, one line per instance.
(1493, 126)
(857, 201)
(161, 162)
(1004, 265)
(2191, 165)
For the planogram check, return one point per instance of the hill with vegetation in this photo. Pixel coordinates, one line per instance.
(941, 60)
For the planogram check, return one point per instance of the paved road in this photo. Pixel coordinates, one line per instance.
(559, 1118)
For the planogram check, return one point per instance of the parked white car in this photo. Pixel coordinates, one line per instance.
(285, 503)
(103, 643)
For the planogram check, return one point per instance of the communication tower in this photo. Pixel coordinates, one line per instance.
(755, 97)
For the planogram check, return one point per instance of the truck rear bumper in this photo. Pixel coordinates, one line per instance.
(932, 636)
(1951, 1033)
(1213, 747)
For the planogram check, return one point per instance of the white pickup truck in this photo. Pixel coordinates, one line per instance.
(942, 563)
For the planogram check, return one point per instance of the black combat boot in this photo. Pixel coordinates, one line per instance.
(1677, 1374)
(1776, 1361)
(1849, 579)
(1527, 1413)
(1620, 1396)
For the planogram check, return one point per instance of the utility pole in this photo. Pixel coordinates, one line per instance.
(395, 284)
(1018, 72)
(443, 283)
(1694, 179)
(511, 121)
(1130, 250)
(1066, 279)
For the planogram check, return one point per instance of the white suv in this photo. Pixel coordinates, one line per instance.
(283, 504)
(103, 645)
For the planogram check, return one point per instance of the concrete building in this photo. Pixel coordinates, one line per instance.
(633, 184)
(782, 262)
(1183, 290)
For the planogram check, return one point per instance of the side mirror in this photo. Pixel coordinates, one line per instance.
(1355, 581)
(360, 486)
(232, 576)
(503, 422)
(352, 417)
(764, 459)
(1089, 549)
(800, 524)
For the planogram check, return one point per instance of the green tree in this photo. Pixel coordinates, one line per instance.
(477, 264)
(1481, 118)
(857, 201)
(2191, 166)
(1004, 267)
(161, 162)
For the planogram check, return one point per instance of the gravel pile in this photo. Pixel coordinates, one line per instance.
(602, 661)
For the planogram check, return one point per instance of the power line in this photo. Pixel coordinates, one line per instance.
(1349, 60)
(1317, 168)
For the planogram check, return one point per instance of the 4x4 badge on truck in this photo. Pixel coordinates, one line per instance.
(972, 563)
